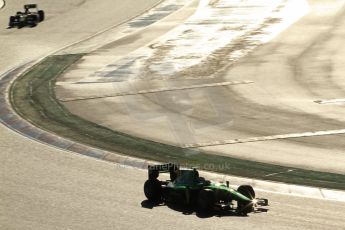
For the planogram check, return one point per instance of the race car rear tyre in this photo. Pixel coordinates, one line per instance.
(153, 174)
(153, 190)
(41, 15)
(206, 199)
(247, 191)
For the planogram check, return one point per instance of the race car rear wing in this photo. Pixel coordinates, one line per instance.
(30, 6)
(154, 170)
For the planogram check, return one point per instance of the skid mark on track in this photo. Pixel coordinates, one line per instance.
(219, 34)
(167, 89)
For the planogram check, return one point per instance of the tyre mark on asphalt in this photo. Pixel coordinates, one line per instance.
(166, 89)
(322, 69)
(222, 57)
(10, 119)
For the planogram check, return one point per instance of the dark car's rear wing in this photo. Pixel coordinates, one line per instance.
(30, 6)
(154, 170)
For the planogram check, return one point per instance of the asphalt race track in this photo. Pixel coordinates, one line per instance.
(45, 188)
(58, 190)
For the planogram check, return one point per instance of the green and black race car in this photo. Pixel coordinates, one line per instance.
(187, 187)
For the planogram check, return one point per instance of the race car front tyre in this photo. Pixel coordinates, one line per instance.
(244, 207)
(41, 15)
(153, 190)
(247, 191)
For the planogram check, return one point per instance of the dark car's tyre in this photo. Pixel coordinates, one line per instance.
(11, 22)
(153, 190)
(41, 15)
(245, 207)
(206, 199)
(19, 24)
(31, 20)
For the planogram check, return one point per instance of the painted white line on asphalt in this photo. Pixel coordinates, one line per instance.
(273, 174)
(167, 89)
(265, 138)
(333, 101)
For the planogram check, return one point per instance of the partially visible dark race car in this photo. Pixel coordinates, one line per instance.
(188, 188)
(30, 17)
